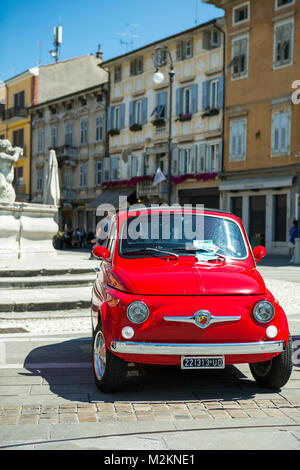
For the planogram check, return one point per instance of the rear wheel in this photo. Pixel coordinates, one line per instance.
(275, 373)
(109, 370)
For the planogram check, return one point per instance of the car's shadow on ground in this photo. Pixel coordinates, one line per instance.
(72, 382)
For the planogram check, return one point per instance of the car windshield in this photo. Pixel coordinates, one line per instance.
(175, 234)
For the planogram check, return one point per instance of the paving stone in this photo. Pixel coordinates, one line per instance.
(48, 418)
(68, 418)
(273, 412)
(265, 403)
(218, 414)
(254, 412)
(8, 419)
(237, 413)
(105, 407)
(10, 410)
(144, 416)
(247, 404)
(28, 419)
(106, 417)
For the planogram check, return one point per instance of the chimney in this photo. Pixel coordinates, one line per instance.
(99, 53)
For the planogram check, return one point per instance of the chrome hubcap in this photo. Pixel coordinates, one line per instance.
(99, 355)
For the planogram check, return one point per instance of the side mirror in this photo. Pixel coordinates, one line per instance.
(100, 252)
(259, 252)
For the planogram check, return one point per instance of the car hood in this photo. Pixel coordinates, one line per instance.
(188, 279)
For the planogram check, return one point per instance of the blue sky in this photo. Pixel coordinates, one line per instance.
(24, 24)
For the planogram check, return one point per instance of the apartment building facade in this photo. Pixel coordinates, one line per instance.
(73, 124)
(261, 178)
(18, 94)
(138, 119)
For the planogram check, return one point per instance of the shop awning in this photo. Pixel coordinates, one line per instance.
(111, 197)
(256, 183)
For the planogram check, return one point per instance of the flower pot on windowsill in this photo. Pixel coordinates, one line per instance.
(160, 122)
(136, 127)
(210, 112)
(185, 117)
(114, 132)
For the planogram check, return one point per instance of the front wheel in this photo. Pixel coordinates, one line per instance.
(276, 372)
(109, 370)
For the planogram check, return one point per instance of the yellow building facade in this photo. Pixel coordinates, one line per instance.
(139, 112)
(20, 93)
(261, 180)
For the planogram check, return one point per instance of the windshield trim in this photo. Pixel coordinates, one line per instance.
(245, 239)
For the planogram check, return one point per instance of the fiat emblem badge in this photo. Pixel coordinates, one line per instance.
(202, 318)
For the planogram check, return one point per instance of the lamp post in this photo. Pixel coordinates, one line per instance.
(161, 56)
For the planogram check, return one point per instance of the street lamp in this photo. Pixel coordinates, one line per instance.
(162, 56)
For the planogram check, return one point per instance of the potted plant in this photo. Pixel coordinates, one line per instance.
(159, 122)
(136, 127)
(58, 241)
(114, 132)
(185, 117)
(210, 112)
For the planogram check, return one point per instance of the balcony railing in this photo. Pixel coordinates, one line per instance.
(16, 113)
(66, 151)
(68, 194)
(145, 189)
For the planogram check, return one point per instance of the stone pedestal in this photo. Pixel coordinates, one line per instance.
(26, 230)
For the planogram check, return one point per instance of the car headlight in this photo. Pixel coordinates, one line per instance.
(137, 312)
(263, 311)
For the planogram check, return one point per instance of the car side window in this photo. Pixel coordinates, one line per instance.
(112, 241)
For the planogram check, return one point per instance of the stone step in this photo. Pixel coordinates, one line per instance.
(59, 271)
(75, 280)
(43, 299)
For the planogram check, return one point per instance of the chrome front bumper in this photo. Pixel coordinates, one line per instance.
(169, 349)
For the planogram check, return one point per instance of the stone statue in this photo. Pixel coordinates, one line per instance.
(8, 156)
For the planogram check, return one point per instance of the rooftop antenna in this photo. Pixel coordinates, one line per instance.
(129, 37)
(40, 44)
(57, 41)
(196, 13)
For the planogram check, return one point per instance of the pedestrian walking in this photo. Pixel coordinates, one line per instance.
(294, 233)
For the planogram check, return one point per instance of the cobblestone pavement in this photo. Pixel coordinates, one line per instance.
(193, 410)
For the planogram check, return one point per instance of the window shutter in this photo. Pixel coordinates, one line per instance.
(179, 101)
(179, 51)
(194, 98)
(109, 118)
(144, 110)
(244, 139)
(131, 113)
(122, 116)
(275, 133)
(175, 161)
(205, 94)
(233, 142)
(221, 93)
(201, 157)
(218, 165)
(206, 40)
(106, 169)
(129, 166)
(191, 161)
(164, 102)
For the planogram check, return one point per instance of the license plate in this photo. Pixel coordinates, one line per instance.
(211, 362)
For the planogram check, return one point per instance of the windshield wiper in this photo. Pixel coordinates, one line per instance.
(202, 249)
(147, 250)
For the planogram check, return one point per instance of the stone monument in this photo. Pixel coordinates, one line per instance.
(26, 229)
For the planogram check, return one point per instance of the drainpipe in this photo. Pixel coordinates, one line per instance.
(224, 91)
(107, 103)
(224, 100)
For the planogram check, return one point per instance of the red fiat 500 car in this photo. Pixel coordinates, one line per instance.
(181, 287)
